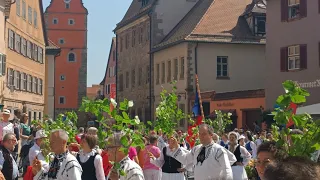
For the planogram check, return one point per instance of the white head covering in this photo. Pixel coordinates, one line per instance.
(234, 133)
(242, 137)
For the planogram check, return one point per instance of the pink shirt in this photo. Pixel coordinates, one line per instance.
(156, 152)
(132, 152)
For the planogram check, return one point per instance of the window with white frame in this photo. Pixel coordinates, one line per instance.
(2, 64)
(29, 49)
(294, 8)
(17, 46)
(35, 18)
(23, 46)
(24, 14)
(293, 57)
(40, 86)
(62, 77)
(222, 66)
(62, 100)
(40, 55)
(67, 5)
(17, 80)
(18, 10)
(61, 41)
(158, 74)
(71, 21)
(34, 85)
(108, 87)
(71, 57)
(23, 81)
(29, 85)
(29, 15)
(11, 39)
(35, 52)
(55, 21)
(10, 77)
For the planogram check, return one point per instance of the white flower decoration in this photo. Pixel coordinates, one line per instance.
(136, 119)
(113, 102)
(130, 104)
(229, 114)
(157, 109)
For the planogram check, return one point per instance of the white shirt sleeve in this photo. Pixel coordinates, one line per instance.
(32, 155)
(254, 149)
(223, 158)
(1, 160)
(99, 168)
(184, 156)
(158, 161)
(245, 155)
(75, 172)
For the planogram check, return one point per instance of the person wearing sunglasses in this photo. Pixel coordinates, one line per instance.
(8, 165)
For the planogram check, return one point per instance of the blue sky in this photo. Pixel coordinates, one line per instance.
(103, 17)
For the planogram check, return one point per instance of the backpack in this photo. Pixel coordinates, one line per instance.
(24, 152)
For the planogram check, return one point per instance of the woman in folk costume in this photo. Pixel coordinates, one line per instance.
(171, 168)
(242, 155)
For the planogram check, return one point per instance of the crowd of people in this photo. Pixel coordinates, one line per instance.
(164, 157)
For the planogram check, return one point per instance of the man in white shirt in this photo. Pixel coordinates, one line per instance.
(5, 125)
(35, 150)
(64, 166)
(211, 161)
(131, 170)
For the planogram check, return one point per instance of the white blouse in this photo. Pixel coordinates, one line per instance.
(5, 128)
(84, 157)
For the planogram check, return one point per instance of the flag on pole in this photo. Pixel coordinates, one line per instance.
(293, 107)
(197, 111)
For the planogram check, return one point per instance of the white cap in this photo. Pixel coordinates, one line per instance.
(242, 137)
(6, 111)
(40, 134)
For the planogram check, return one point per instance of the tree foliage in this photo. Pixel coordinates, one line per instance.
(221, 122)
(302, 144)
(168, 114)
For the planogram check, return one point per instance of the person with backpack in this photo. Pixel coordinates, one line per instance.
(35, 151)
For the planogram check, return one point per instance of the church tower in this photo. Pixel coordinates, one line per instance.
(66, 24)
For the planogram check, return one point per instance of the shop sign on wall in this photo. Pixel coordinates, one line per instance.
(225, 104)
(312, 84)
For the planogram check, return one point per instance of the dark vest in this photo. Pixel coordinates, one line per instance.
(89, 170)
(237, 154)
(7, 168)
(170, 165)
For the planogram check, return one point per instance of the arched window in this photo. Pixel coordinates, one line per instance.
(71, 57)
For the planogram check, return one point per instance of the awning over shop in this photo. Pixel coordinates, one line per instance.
(311, 109)
(225, 111)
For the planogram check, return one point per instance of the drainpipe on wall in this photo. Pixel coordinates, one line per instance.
(54, 86)
(150, 67)
(116, 68)
(196, 58)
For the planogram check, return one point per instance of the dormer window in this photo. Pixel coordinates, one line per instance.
(67, 5)
(260, 25)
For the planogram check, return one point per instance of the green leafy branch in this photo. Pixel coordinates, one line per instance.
(304, 144)
(168, 114)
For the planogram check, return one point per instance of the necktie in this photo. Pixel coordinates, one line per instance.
(202, 155)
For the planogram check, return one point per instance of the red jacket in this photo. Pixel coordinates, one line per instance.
(106, 164)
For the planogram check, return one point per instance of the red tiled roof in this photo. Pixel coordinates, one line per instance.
(214, 21)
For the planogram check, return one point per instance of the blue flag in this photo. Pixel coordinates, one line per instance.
(196, 107)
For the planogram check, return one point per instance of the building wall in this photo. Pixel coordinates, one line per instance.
(246, 64)
(110, 76)
(32, 32)
(177, 52)
(134, 58)
(93, 91)
(49, 89)
(167, 14)
(283, 34)
(240, 105)
(2, 29)
(73, 87)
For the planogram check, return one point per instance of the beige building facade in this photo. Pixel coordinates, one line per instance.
(25, 65)
(227, 57)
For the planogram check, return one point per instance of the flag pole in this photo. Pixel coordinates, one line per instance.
(199, 96)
